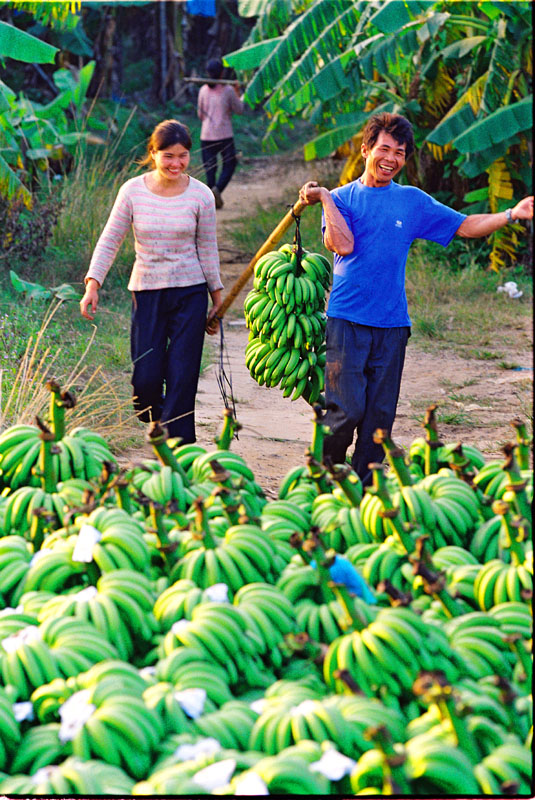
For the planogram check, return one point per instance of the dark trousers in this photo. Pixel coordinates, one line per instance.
(166, 344)
(362, 381)
(210, 151)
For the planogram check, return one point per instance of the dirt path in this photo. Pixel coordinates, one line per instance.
(481, 398)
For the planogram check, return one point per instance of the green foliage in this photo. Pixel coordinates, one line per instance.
(461, 73)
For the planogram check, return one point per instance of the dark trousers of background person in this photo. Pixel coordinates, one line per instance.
(210, 151)
(362, 381)
(166, 344)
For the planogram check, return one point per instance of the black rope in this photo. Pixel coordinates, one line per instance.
(224, 380)
(297, 238)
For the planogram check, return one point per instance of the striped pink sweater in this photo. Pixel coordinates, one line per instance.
(175, 237)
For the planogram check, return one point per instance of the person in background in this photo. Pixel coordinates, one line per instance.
(216, 104)
(172, 216)
(369, 225)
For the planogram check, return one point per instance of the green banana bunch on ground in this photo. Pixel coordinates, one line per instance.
(73, 776)
(285, 315)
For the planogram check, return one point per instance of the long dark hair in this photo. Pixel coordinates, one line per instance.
(166, 134)
(397, 126)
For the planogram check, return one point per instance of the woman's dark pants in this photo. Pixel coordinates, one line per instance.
(362, 381)
(210, 151)
(166, 343)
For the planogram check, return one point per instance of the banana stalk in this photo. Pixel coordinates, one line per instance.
(201, 526)
(394, 778)
(432, 442)
(45, 463)
(318, 473)
(461, 465)
(379, 488)
(352, 618)
(59, 402)
(319, 432)
(122, 496)
(231, 508)
(157, 437)
(436, 691)
(156, 520)
(312, 548)
(230, 426)
(516, 483)
(434, 584)
(510, 529)
(348, 481)
(523, 443)
(394, 455)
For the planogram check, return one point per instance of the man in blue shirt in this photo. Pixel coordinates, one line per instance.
(369, 225)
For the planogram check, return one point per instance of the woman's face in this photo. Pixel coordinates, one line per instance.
(171, 162)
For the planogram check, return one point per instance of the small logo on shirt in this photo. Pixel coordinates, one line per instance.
(399, 223)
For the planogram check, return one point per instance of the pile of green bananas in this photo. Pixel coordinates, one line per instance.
(168, 629)
(285, 315)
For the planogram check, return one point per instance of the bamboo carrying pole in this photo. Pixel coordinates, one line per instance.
(268, 245)
(212, 80)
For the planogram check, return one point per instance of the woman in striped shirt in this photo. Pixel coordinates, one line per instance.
(177, 264)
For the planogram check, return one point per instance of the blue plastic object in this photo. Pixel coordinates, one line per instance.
(342, 571)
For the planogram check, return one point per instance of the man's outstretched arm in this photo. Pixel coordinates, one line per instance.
(337, 237)
(484, 224)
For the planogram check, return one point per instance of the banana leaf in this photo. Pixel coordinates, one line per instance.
(300, 34)
(395, 14)
(337, 34)
(11, 185)
(324, 144)
(251, 8)
(499, 126)
(461, 48)
(451, 127)
(24, 47)
(251, 56)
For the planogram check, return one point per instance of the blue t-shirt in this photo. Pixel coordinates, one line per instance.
(369, 285)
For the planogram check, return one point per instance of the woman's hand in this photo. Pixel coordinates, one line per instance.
(89, 302)
(212, 322)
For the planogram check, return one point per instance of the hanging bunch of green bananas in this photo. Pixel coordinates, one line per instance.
(285, 314)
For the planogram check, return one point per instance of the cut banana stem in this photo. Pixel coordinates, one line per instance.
(319, 432)
(348, 481)
(510, 531)
(394, 455)
(388, 512)
(523, 443)
(230, 425)
(157, 437)
(432, 442)
(46, 465)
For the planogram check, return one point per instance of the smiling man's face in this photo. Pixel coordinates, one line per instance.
(383, 161)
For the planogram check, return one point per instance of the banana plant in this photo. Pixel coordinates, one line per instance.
(459, 72)
(32, 134)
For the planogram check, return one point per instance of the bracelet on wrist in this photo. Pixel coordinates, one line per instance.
(509, 215)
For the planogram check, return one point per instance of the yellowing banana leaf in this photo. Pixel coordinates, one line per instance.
(11, 185)
(24, 47)
(251, 56)
(499, 126)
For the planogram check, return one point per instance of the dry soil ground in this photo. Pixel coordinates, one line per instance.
(276, 431)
